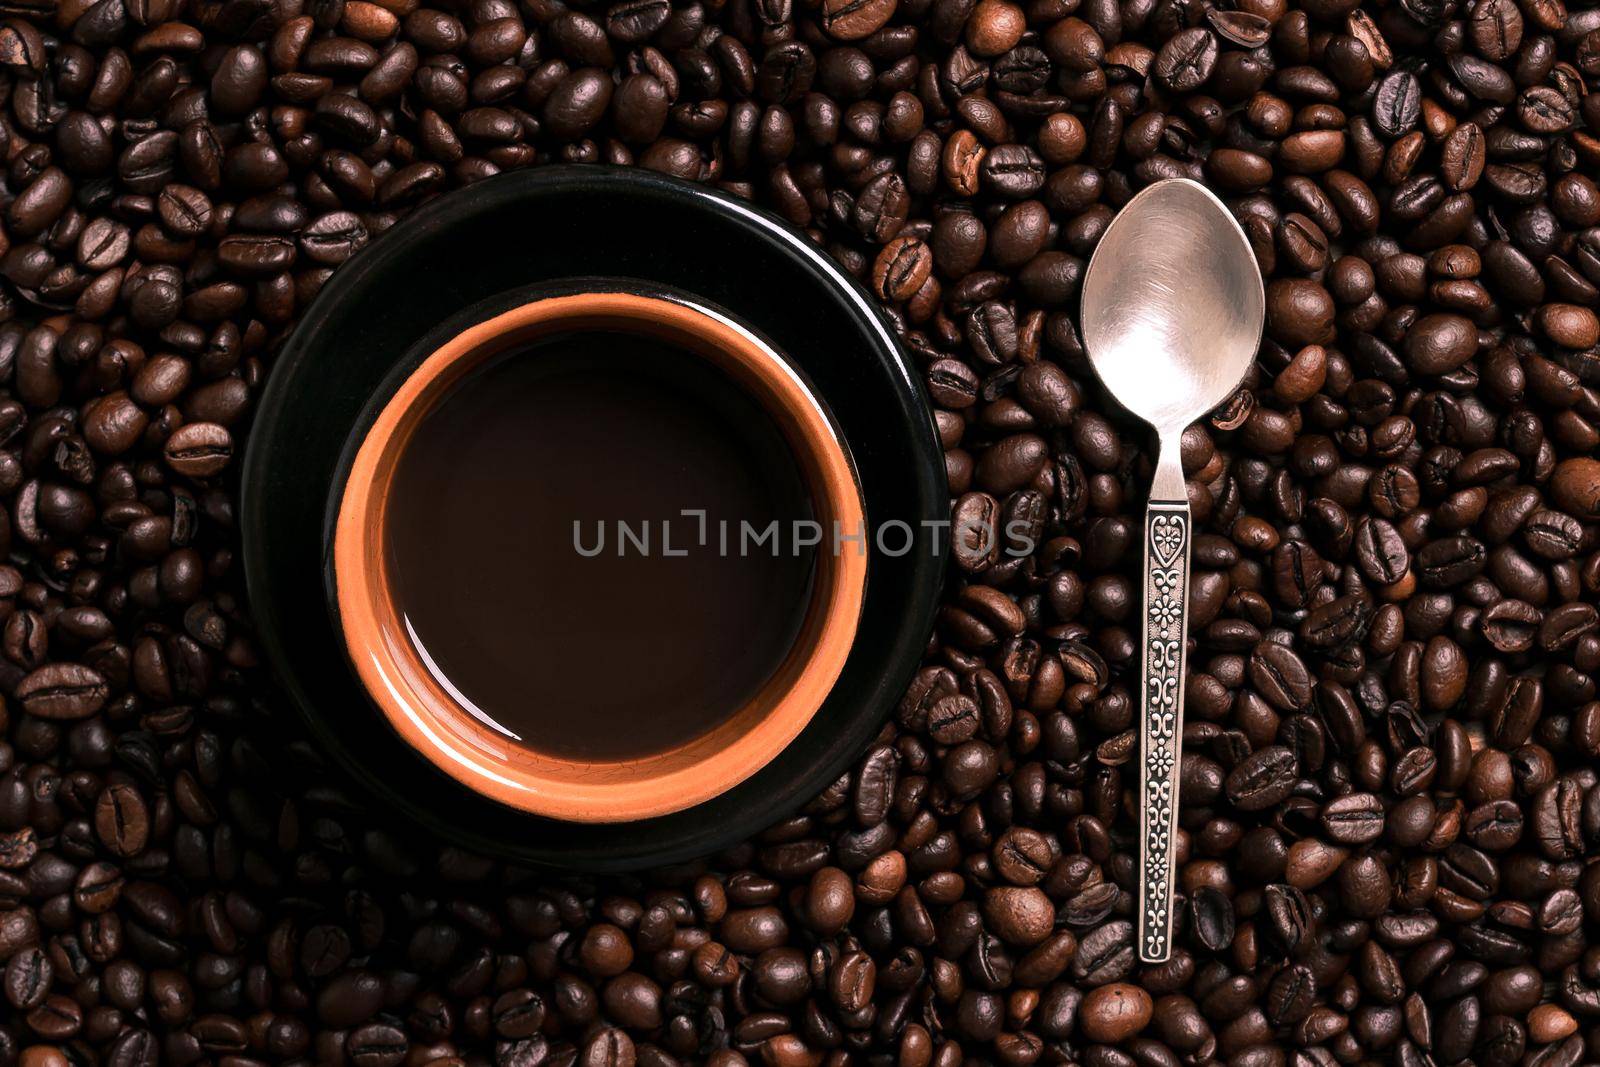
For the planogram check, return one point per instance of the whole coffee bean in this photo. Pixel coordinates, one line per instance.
(1105, 954)
(1187, 60)
(122, 820)
(1438, 344)
(1299, 312)
(1213, 917)
(376, 1045)
(1381, 552)
(975, 533)
(1354, 819)
(1556, 819)
(349, 999)
(850, 20)
(1262, 779)
(199, 449)
(256, 255)
(1019, 915)
(902, 267)
(830, 903)
(63, 691)
(1023, 856)
(1397, 105)
(1576, 485)
(1115, 1012)
(28, 976)
(1280, 676)
(1013, 171)
(577, 102)
(1019, 234)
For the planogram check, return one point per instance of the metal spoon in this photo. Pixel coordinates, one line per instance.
(1172, 314)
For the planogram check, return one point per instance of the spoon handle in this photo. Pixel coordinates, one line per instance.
(1167, 536)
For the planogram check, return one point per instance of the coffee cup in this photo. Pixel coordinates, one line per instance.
(487, 748)
(785, 354)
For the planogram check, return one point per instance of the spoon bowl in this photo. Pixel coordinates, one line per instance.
(1172, 304)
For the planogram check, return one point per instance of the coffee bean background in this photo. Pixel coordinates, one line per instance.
(1391, 812)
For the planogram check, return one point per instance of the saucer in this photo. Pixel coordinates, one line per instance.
(471, 254)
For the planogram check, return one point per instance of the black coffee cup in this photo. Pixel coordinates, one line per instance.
(483, 256)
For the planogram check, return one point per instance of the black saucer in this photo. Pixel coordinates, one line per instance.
(497, 244)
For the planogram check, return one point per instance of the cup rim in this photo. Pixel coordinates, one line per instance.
(432, 722)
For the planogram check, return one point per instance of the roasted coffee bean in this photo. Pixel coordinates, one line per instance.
(851, 20)
(1242, 28)
(122, 820)
(1280, 676)
(1381, 552)
(975, 531)
(1213, 918)
(1354, 819)
(1262, 779)
(1115, 1012)
(1576, 485)
(1012, 170)
(1556, 819)
(1105, 954)
(1187, 60)
(1023, 856)
(1337, 622)
(901, 269)
(63, 691)
(199, 449)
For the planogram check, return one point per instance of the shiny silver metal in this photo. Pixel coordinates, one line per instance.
(1172, 314)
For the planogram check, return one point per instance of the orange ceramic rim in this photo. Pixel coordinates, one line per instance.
(436, 726)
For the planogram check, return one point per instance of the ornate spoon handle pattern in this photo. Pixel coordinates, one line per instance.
(1167, 530)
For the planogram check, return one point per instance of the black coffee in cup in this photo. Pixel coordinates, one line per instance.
(572, 537)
